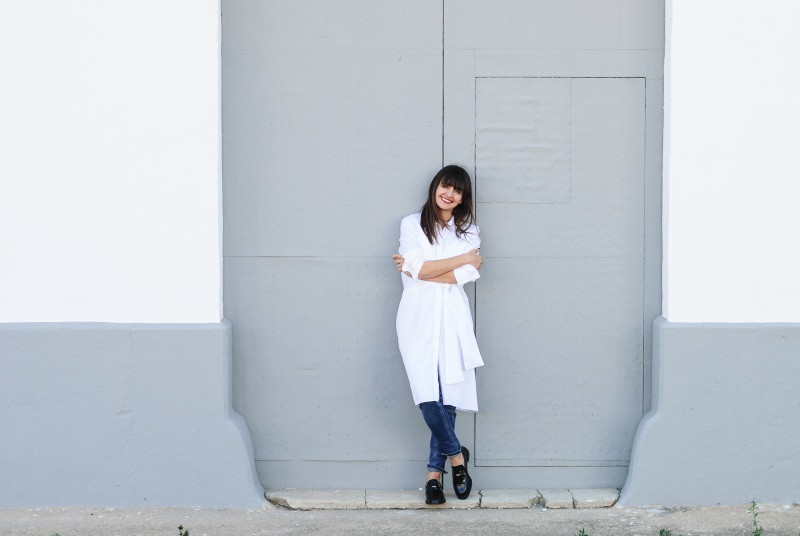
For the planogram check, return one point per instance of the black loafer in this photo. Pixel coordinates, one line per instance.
(462, 482)
(433, 492)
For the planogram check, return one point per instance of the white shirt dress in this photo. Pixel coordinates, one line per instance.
(434, 322)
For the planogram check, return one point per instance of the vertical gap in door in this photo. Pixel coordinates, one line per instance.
(475, 175)
(442, 83)
(644, 262)
(475, 204)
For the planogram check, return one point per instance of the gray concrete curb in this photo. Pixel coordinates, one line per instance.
(308, 499)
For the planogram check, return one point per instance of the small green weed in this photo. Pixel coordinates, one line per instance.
(664, 532)
(182, 532)
(758, 530)
(581, 533)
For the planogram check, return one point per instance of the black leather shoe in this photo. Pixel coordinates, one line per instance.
(462, 482)
(433, 492)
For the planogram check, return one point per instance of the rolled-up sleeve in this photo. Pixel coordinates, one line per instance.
(467, 273)
(409, 248)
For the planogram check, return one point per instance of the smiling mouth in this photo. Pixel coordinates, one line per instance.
(445, 200)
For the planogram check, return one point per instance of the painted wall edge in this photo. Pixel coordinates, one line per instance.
(100, 414)
(724, 420)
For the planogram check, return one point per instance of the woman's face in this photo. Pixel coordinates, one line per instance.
(447, 197)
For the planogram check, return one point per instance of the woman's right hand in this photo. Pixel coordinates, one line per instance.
(474, 258)
(399, 261)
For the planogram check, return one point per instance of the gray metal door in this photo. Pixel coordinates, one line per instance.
(565, 151)
(335, 116)
(559, 166)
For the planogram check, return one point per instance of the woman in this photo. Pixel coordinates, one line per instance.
(439, 252)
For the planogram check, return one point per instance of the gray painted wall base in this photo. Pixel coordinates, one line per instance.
(121, 414)
(725, 418)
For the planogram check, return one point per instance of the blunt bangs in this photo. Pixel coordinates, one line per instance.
(459, 181)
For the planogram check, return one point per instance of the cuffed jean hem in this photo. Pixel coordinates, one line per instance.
(441, 469)
(441, 419)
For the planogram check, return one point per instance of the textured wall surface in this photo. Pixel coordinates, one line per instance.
(560, 309)
(331, 130)
(110, 161)
(110, 212)
(732, 250)
(335, 118)
(724, 422)
(121, 415)
(725, 419)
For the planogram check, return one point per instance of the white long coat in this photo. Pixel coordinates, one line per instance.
(434, 322)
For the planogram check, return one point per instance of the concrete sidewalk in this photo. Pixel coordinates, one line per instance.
(781, 520)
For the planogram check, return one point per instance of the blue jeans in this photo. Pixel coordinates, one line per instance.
(441, 419)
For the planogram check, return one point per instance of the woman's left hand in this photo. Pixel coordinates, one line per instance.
(399, 261)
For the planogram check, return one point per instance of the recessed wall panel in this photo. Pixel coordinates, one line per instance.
(559, 305)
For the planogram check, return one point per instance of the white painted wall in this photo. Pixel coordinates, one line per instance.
(109, 168)
(732, 172)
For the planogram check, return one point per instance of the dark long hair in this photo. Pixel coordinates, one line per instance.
(463, 214)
